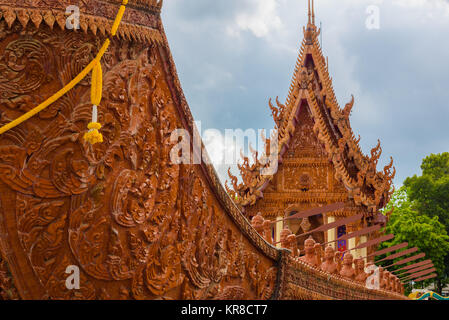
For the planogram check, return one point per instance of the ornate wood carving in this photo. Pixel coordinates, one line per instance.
(8, 291)
(117, 209)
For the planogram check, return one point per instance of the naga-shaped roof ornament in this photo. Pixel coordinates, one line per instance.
(376, 152)
(348, 108)
(278, 112)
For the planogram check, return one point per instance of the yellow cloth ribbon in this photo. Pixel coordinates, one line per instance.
(93, 135)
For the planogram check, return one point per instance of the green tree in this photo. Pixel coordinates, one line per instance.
(430, 194)
(419, 230)
(430, 191)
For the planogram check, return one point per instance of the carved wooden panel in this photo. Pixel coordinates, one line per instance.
(305, 178)
(136, 225)
(304, 143)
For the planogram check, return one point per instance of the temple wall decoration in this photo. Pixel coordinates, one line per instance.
(137, 226)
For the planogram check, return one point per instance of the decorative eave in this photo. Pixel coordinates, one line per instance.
(141, 21)
(332, 126)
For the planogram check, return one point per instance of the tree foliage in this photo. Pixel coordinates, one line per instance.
(421, 215)
(430, 191)
(419, 230)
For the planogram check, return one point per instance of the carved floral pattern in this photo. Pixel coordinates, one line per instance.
(118, 209)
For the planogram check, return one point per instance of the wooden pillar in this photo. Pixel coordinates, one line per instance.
(351, 244)
(363, 252)
(278, 228)
(331, 233)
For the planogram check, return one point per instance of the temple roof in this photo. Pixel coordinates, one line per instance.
(312, 85)
(141, 20)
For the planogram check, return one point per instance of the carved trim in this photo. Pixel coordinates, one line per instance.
(145, 33)
(321, 284)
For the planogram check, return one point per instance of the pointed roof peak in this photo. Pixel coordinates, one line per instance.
(311, 30)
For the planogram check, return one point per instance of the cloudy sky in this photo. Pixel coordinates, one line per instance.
(232, 55)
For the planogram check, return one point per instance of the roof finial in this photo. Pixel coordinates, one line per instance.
(313, 12)
(310, 13)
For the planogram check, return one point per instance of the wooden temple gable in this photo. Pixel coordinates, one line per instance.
(320, 160)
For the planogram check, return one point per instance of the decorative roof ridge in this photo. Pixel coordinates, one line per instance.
(336, 112)
(153, 5)
(147, 33)
(340, 118)
(299, 65)
(334, 153)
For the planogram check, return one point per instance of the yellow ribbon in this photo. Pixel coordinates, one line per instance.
(93, 136)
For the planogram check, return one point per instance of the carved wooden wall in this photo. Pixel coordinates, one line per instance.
(136, 225)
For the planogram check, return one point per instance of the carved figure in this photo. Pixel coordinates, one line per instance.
(262, 226)
(373, 280)
(257, 222)
(283, 237)
(329, 264)
(385, 284)
(382, 283)
(396, 284)
(310, 256)
(267, 231)
(401, 287)
(361, 275)
(347, 271)
(393, 283)
(288, 241)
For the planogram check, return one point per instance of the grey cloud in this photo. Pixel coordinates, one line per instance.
(399, 74)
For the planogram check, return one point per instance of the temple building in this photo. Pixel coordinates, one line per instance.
(320, 159)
